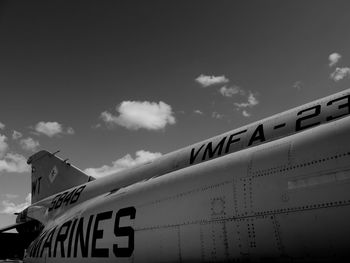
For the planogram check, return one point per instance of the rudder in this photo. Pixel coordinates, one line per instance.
(51, 174)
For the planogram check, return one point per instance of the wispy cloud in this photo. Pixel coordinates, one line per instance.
(135, 115)
(2, 126)
(52, 128)
(3, 145)
(29, 144)
(198, 112)
(231, 91)
(16, 135)
(246, 113)
(70, 130)
(340, 73)
(298, 85)
(334, 59)
(207, 81)
(10, 207)
(217, 115)
(251, 102)
(11, 196)
(123, 163)
(14, 163)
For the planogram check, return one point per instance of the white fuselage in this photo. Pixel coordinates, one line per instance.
(319, 112)
(286, 199)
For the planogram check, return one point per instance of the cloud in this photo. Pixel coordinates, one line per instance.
(135, 115)
(298, 85)
(14, 163)
(340, 73)
(11, 208)
(3, 145)
(251, 102)
(70, 130)
(216, 115)
(16, 135)
(124, 163)
(198, 112)
(52, 128)
(2, 126)
(11, 196)
(11, 162)
(334, 59)
(48, 128)
(245, 113)
(207, 81)
(229, 92)
(29, 144)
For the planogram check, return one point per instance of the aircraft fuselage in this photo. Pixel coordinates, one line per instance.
(283, 200)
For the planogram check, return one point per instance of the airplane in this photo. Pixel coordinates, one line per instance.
(276, 190)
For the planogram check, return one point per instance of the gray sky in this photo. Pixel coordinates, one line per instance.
(102, 79)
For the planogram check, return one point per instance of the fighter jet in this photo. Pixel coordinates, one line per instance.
(274, 190)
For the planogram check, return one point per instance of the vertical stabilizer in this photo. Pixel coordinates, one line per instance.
(51, 174)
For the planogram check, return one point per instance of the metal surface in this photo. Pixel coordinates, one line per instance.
(280, 193)
(236, 207)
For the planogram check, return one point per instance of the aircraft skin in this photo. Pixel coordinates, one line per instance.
(316, 113)
(276, 196)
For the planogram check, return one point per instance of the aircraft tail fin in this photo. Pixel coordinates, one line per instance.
(51, 174)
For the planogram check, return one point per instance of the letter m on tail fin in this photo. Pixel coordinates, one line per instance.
(51, 175)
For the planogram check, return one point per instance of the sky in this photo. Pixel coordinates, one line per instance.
(112, 84)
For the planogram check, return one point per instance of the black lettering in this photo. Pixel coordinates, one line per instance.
(39, 180)
(68, 197)
(38, 244)
(48, 242)
(30, 248)
(60, 200)
(299, 126)
(279, 126)
(258, 134)
(53, 202)
(34, 247)
(194, 155)
(79, 237)
(34, 188)
(71, 238)
(345, 105)
(231, 140)
(77, 193)
(61, 237)
(124, 231)
(209, 149)
(97, 234)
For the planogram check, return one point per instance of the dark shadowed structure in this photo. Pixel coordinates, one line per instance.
(12, 246)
